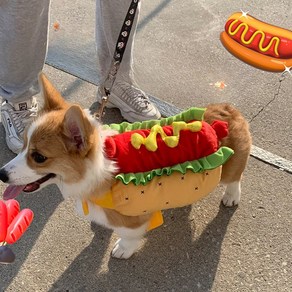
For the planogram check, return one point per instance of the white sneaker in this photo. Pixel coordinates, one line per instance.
(133, 103)
(14, 119)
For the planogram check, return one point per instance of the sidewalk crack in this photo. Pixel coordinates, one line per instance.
(276, 94)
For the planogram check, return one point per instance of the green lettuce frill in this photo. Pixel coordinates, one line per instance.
(206, 163)
(191, 114)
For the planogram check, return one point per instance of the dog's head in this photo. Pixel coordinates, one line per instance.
(63, 146)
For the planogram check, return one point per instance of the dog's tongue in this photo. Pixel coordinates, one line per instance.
(12, 192)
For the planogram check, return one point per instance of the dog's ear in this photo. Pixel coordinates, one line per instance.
(52, 97)
(75, 127)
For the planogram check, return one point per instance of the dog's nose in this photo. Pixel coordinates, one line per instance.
(3, 175)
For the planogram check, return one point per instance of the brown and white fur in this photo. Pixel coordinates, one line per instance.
(67, 142)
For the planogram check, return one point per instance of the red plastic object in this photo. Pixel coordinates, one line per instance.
(13, 209)
(3, 221)
(19, 225)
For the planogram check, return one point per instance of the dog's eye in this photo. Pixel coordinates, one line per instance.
(38, 158)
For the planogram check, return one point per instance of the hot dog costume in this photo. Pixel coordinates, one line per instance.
(163, 164)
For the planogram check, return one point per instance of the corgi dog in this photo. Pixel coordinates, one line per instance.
(65, 146)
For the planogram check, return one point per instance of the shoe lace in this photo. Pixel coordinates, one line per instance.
(21, 118)
(134, 97)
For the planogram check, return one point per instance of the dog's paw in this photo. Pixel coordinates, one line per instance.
(232, 194)
(230, 200)
(124, 249)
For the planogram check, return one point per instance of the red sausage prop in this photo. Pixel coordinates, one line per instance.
(12, 210)
(19, 225)
(144, 158)
(3, 221)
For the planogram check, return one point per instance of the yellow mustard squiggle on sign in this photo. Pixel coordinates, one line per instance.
(274, 39)
(150, 142)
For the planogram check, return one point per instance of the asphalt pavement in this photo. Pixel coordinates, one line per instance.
(179, 61)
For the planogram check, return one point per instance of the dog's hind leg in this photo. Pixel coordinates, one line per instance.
(129, 241)
(232, 194)
(231, 178)
(238, 139)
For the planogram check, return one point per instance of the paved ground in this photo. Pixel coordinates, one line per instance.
(204, 248)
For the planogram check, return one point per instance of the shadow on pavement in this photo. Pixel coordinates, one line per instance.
(170, 258)
(152, 14)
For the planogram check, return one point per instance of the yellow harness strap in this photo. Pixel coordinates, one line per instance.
(155, 221)
(106, 201)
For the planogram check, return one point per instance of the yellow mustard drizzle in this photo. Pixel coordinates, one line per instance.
(247, 42)
(150, 142)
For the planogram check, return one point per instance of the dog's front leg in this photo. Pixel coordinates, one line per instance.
(93, 213)
(129, 241)
(130, 238)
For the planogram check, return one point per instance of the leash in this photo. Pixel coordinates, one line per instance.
(117, 57)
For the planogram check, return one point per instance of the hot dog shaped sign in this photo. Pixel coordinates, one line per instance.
(13, 223)
(257, 43)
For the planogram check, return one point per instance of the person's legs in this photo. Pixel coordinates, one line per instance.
(133, 103)
(23, 46)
